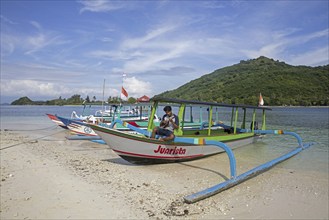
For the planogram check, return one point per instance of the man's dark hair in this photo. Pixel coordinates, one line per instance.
(167, 109)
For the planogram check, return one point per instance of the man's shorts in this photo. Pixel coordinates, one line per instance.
(164, 132)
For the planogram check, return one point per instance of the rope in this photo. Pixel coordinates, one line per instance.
(31, 141)
(53, 127)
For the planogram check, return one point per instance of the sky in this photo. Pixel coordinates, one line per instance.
(52, 49)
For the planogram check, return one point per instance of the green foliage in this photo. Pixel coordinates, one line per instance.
(279, 83)
(114, 100)
(23, 101)
(131, 100)
(87, 99)
(75, 99)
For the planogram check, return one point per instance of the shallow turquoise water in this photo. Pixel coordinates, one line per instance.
(311, 123)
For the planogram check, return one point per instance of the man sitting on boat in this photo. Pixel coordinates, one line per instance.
(168, 123)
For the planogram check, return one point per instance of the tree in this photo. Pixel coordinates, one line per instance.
(75, 99)
(131, 100)
(113, 100)
(87, 99)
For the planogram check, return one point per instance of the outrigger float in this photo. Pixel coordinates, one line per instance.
(210, 138)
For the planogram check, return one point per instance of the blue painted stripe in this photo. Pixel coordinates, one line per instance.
(216, 143)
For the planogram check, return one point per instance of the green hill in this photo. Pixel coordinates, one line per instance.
(23, 101)
(279, 83)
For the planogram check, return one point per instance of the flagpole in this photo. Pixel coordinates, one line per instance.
(123, 75)
(123, 91)
(103, 110)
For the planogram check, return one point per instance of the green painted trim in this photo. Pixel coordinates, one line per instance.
(151, 125)
(253, 120)
(222, 138)
(264, 120)
(181, 115)
(210, 120)
(233, 137)
(244, 118)
(216, 115)
(236, 119)
(232, 115)
(203, 132)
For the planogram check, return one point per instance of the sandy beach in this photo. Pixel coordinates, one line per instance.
(46, 176)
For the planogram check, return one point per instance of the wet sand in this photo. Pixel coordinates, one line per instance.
(46, 176)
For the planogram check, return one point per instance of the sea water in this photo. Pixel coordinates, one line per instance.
(311, 123)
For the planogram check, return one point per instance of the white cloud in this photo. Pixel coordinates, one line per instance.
(269, 50)
(46, 90)
(51, 90)
(212, 4)
(282, 43)
(316, 57)
(29, 43)
(30, 87)
(137, 88)
(147, 52)
(36, 25)
(151, 35)
(100, 5)
(36, 43)
(8, 44)
(110, 54)
(7, 20)
(156, 59)
(165, 47)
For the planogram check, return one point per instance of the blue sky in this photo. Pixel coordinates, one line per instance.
(61, 48)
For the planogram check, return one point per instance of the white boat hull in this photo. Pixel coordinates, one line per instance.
(81, 129)
(56, 120)
(136, 148)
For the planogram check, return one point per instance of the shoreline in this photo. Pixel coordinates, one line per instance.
(46, 176)
(269, 106)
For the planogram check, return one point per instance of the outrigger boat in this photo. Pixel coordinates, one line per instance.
(77, 123)
(56, 120)
(81, 127)
(189, 144)
(140, 148)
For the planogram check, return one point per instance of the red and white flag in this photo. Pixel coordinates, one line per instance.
(261, 100)
(124, 92)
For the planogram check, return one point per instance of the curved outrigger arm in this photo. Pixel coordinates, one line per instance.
(299, 139)
(211, 142)
(251, 173)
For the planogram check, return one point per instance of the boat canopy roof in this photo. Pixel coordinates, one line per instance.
(193, 102)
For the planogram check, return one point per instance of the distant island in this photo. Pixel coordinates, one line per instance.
(73, 100)
(279, 83)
